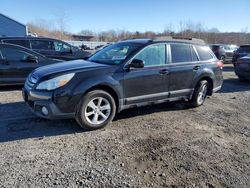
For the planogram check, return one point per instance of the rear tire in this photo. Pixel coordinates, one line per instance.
(96, 109)
(200, 94)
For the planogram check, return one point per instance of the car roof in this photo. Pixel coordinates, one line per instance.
(27, 38)
(179, 39)
(166, 40)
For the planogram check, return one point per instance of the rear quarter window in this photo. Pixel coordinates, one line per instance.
(204, 53)
(181, 53)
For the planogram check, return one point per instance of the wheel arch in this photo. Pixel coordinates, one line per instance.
(210, 83)
(109, 89)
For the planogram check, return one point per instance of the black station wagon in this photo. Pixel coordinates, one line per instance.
(126, 74)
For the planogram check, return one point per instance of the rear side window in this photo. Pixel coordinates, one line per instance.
(181, 53)
(42, 45)
(12, 54)
(204, 53)
(24, 43)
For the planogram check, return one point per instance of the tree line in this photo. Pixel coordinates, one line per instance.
(186, 29)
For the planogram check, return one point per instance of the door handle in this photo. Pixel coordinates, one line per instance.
(163, 71)
(196, 68)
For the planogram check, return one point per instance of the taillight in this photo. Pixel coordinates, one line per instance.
(219, 64)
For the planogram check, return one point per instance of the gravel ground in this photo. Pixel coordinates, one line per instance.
(167, 145)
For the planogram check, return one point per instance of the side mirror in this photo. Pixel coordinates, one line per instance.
(32, 59)
(136, 63)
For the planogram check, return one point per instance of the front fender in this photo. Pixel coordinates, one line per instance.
(67, 99)
(104, 80)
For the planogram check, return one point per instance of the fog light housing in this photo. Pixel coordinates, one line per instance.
(45, 111)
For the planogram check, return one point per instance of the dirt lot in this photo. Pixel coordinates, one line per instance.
(167, 145)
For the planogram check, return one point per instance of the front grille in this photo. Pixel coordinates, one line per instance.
(31, 81)
(229, 54)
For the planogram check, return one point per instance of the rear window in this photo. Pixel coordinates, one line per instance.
(24, 43)
(204, 53)
(42, 45)
(181, 53)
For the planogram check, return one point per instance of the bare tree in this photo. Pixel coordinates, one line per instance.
(58, 29)
(62, 22)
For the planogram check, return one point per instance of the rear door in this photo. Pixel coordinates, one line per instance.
(183, 68)
(151, 82)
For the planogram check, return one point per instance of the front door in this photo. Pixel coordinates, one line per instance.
(15, 65)
(151, 82)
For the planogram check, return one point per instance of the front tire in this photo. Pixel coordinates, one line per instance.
(200, 94)
(96, 110)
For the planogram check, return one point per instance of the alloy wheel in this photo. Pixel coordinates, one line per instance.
(97, 111)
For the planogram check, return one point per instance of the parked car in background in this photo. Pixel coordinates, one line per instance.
(242, 67)
(51, 48)
(84, 47)
(17, 62)
(242, 51)
(100, 47)
(223, 52)
(123, 75)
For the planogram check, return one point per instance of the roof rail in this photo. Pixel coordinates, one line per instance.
(181, 39)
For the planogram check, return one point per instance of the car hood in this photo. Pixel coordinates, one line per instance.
(67, 66)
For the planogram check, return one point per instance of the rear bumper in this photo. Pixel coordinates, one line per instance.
(37, 100)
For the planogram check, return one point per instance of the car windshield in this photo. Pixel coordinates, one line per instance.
(114, 54)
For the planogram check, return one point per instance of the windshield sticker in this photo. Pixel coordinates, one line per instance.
(118, 57)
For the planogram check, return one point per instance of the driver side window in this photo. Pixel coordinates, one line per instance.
(61, 47)
(11, 54)
(153, 55)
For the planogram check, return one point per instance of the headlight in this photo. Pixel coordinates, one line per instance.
(56, 82)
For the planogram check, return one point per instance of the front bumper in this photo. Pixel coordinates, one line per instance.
(37, 100)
